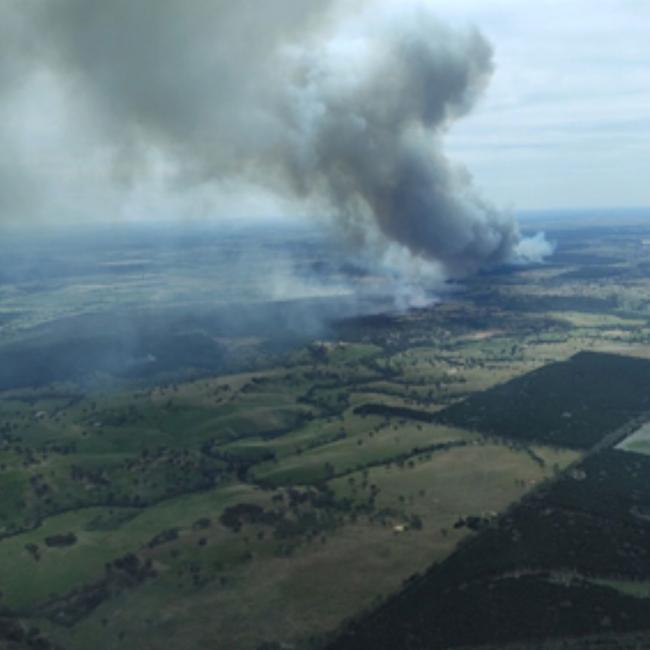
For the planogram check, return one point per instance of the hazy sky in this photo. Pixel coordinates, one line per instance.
(564, 122)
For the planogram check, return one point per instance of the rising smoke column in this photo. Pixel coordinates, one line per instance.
(369, 112)
(340, 108)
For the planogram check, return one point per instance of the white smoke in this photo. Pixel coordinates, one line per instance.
(533, 249)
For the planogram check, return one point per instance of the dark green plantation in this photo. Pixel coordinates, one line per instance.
(574, 403)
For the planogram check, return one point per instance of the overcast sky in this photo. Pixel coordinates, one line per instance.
(563, 123)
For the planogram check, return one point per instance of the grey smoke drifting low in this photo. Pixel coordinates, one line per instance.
(339, 108)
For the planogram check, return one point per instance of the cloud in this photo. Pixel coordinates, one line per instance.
(563, 122)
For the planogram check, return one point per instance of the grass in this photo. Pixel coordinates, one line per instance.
(638, 442)
(444, 486)
(27, 581)
(374, 444)
(310, 591)
(582, 319)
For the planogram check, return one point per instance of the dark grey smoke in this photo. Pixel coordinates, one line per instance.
(339, 108)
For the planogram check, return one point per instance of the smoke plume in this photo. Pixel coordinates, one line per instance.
(339, 109)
